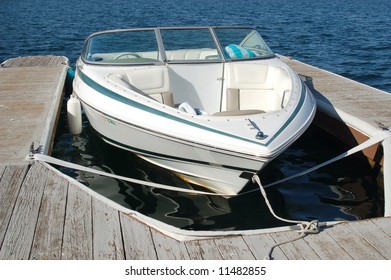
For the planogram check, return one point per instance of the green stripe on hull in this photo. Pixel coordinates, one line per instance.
(111, 94)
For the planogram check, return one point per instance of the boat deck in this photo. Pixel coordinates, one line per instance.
(44, 215)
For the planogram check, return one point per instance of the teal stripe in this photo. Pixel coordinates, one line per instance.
(166, 156)
(290, 119)
(236, 50)
(111, 94)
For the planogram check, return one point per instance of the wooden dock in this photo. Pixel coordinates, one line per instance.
(364, 102)
(45, 215)
(30, 95)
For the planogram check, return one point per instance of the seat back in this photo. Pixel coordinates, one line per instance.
(151, 81)
(255, 87)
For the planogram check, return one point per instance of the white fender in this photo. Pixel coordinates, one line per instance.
(74, 115)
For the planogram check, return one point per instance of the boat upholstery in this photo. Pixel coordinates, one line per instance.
(182, 54)
(150, 81)
(192, 54)
(256, 87)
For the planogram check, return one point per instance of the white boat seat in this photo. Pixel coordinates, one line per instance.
(149, 81)
(163, 97)
(256, 87)
(252, 99)
(192, 54)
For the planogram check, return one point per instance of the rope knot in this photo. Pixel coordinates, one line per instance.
(309, 227)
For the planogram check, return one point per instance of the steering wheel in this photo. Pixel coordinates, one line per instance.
(128, 54)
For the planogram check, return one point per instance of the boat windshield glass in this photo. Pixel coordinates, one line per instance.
(119, 47)
(188, 45)
(242, 43)
(177, 45)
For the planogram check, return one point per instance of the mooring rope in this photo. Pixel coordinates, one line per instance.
(306, 227)
(41, 157)
(381, 136)
(311, 227)
(55, 161)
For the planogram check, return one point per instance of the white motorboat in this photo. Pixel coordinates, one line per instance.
(208, 103)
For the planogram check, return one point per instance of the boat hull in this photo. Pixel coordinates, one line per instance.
(207, 166)
(244, 106)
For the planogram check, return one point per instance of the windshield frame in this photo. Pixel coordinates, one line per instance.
(162, 55)
(239, 46)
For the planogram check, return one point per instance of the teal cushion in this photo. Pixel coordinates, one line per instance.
(235, 51)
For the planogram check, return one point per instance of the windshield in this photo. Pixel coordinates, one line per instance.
(189, 45)
(138, 46)
(175, 45)
(242, 43)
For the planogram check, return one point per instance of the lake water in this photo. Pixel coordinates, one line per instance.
(350, 38)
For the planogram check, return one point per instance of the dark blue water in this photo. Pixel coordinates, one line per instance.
(350, 38)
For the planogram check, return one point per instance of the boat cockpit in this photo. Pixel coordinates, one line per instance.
(217, 71)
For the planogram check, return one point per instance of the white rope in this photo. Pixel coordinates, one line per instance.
(262, 189)
(305, 227)
(49, 159)
(37, 156)
(312, 226)
(371, 141)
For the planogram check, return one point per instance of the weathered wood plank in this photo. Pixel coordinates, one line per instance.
(35, 61)
(20, 233)
(10, 183)
(44, 61)
(203, 250)
(357, 247)
(47, 242)
(294, 249)
(371, 233)
(2, 169)
(362, 101)
(27, 107)
(384, 224)
(326, 247)
(77, 240)
(261, 244)
(107, 237)
(137, 238)
(168, 248)
(234, 248)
